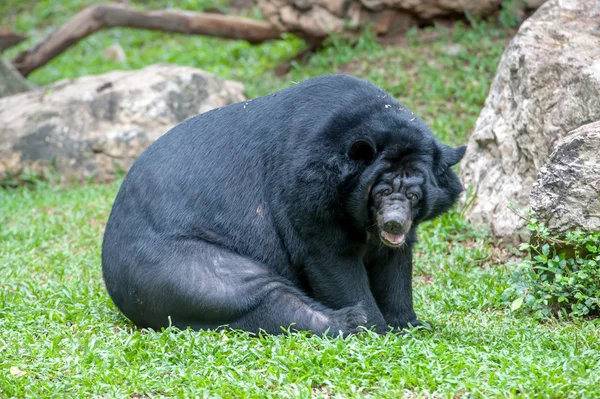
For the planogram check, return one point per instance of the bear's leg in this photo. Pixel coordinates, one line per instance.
(391, 281)
(203, 286)
(340, 281)
(284, 305)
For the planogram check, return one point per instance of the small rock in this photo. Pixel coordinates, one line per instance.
(16, 372)
(11, 81)
(453, 50)
(115, 53)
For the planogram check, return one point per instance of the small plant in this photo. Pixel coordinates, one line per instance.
(512, 13)
(28, 178)
(561, 276)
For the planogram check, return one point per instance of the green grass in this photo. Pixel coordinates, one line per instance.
(58, 325)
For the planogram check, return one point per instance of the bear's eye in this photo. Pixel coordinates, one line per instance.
(383, 192)
(412, 197)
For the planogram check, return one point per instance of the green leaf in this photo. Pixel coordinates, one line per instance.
(546, 249)
(516, 304)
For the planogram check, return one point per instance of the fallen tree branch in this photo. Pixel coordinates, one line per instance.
(102, 16)
(8, 39)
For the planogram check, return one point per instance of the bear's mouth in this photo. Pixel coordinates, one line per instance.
(391, 239)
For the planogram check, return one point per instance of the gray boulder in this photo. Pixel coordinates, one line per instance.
(96, 125)
(547, 85)
(566, 194)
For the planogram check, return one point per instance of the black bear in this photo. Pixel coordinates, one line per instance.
(298, 209)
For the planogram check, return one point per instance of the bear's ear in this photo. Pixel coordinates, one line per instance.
(362, 150)
(449, 156)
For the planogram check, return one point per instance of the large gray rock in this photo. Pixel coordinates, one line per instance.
(566, 194)
(548, 84)
(96, 125)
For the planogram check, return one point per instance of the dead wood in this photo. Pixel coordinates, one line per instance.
(102, 16)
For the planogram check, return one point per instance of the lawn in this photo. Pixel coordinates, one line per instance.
(61, 336)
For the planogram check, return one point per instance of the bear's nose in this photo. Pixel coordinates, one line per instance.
(392, 226)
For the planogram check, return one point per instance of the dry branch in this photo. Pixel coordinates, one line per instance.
(8, 39)
(108, 15)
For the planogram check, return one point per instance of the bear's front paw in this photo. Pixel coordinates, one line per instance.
(348, 319)
(414, 323)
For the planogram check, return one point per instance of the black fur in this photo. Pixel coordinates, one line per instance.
(260, 215)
